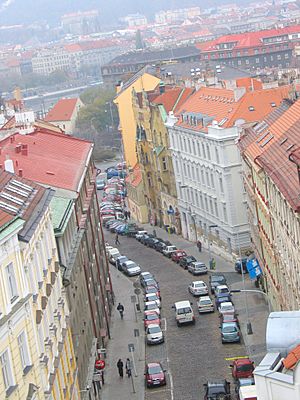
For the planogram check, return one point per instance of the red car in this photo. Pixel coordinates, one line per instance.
(242, 368)
(151, 317)
(155, 375)
(229, 318)
(177, 255)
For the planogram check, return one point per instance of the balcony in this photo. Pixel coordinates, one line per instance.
(67, 271)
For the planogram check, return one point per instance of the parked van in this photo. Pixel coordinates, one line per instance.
(113, 254)
(184, 313)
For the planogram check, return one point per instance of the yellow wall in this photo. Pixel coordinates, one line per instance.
(127, 121)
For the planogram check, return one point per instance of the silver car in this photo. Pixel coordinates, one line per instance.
(205, 304)
(198, 288)
(197, 268)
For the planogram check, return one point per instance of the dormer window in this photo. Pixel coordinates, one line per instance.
(251, 108)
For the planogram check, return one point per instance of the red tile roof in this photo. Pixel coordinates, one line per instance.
(90, 45)
(62, 110)
(292, 358)
(222, 105)
(271, 146)
(52, 159)
(172, 98)
(135, 177)
(248, 39)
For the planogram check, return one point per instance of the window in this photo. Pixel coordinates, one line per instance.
(225, 213)
(217, 155)
(221, 184)
(257, 60)
(247, 61)
(278, 57)
(24, 352)
(6, 370)
(12, 284)
(208, 151)
(207, 178)
(212, 182)
(203, 151)
(164, 164)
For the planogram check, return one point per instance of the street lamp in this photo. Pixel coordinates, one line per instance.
(193, 215)
(209, 249)
(254, 291)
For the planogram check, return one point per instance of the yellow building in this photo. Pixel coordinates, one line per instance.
(36, 350)
(136, 195)
(151, 111)
(142, 80)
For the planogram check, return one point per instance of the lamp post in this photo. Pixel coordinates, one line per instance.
(193, 216)
(254, 291)
(249, 326)
(209, 249)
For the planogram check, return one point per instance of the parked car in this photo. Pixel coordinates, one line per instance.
(205, 304)
(151, 282)
(112, 255)
(230, 317)
(144, 276)
(238, 265)
(242, 382)
(198, 288)
(230, 333)
(145, 238)
(177, 255)
(242, 368)
(149, 241)
(168, 250)
(155, 375)
(161, 246)
(158, 244)
(119, 261)
(226, 308)
(152, 289)
(150, 317)
(197, 268)
(215, 389)
(152, 297)
(216, 280)
(221, 289)
(100, 184)
(131, 268)
(152, 306)
(152, 242)
(222, 298)
(154, 334)
(139, 235)
(186, 261)
(184, 313)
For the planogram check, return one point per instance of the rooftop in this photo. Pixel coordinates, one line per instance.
(20, 197)
(62, 110)
(227, 107)
(61, 211)
(36, 156)
(134, 178)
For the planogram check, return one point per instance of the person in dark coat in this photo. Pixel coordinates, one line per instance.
(199, 245)
(117, 239)
(128, 367)
(120, 367)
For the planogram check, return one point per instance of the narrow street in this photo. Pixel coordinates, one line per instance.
(191, 354)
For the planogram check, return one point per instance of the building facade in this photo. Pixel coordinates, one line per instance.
(272, 186)
(136, 195)
(37, 357)
(207, 163)
(79, 236)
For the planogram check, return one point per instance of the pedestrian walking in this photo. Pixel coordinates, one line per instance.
(128, 214)
(120, 308)
(117, 241)
(128, 368)
(120, 367)
(199, 245)
(154, 233)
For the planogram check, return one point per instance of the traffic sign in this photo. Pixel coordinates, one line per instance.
(99, 364)
(136, 284)
(136, 332)
(137, 291)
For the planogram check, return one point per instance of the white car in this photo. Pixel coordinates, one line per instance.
(226, 308)
(198, 288)
(152, 297)
(221, 289)
(140, 234)
(131, 268)
(154, 334)
(152, 306)
(168, 250)
(205, 304)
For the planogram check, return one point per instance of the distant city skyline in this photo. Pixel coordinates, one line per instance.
(20, 11)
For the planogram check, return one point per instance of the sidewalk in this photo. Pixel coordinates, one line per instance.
(122, 334)
(257, 305)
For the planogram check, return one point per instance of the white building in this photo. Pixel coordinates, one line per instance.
(207, 170)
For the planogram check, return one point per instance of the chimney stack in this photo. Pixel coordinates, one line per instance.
(25, 150)
(20, 172)
(162, 88)
(18, 148)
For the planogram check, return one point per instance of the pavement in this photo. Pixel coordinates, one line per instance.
(122, 334)
(251, 307)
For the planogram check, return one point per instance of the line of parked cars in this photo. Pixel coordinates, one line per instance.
(169, 250)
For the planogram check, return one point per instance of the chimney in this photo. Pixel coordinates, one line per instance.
(25, 150)
(12, 139)
(20, 172)
(162, 88)
(9, 166)
(18, 148)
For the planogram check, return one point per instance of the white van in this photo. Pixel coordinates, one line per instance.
(113, 254)
(184, 313)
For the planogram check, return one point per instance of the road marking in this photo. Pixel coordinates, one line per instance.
(235, 358)
(171, 384)
(165, 323)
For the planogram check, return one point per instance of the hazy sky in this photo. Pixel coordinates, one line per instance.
(27, 11)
